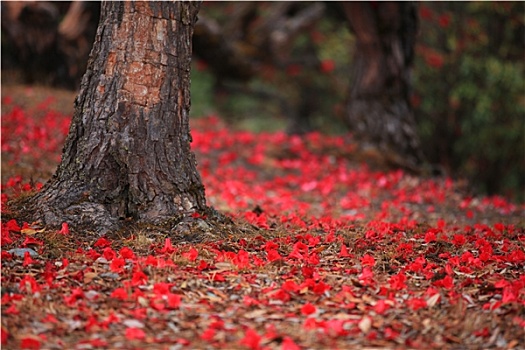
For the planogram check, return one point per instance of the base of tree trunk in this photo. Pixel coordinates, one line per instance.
(388, 127)
(210, 226)
(94, 218)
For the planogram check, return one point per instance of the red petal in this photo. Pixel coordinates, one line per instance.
(344, 252)
(208, 334)
(308, 309)
(289, 344)
(251, 339)
(30, 343)
(135, 333)
(174, 300)
(65, 229)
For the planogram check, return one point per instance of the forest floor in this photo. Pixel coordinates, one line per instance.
(337, 253)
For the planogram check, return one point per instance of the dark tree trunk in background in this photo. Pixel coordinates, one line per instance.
(127, 155)
(32, 30)
(49, 42)
(379, 109)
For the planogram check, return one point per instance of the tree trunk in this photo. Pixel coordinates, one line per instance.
(379, 109)
(127, 155)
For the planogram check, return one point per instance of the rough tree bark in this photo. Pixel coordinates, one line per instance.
(378, 108)
(127, 155)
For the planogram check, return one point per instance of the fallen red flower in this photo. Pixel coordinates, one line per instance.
(27, 259)
(65, 229)
(368, 260)
(191, 255)
(102, 243)
(308, 309)
(119, 293)
(397, 282)
(30, 343)
(133, 333)
(127, 253)
(289, 344)
(117, 265)
(208, 334)
(251, 339)
(174, 301)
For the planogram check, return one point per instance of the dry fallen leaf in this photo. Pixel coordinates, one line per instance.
(28, 231)
(89, 276)
(365, 324)
(431, 302)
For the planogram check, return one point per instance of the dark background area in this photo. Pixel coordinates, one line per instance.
(468, 87)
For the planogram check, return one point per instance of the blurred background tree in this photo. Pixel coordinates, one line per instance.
(48, 42)
(468, 96)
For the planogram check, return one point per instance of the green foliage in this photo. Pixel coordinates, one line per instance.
(201, 92)
(469, 76)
